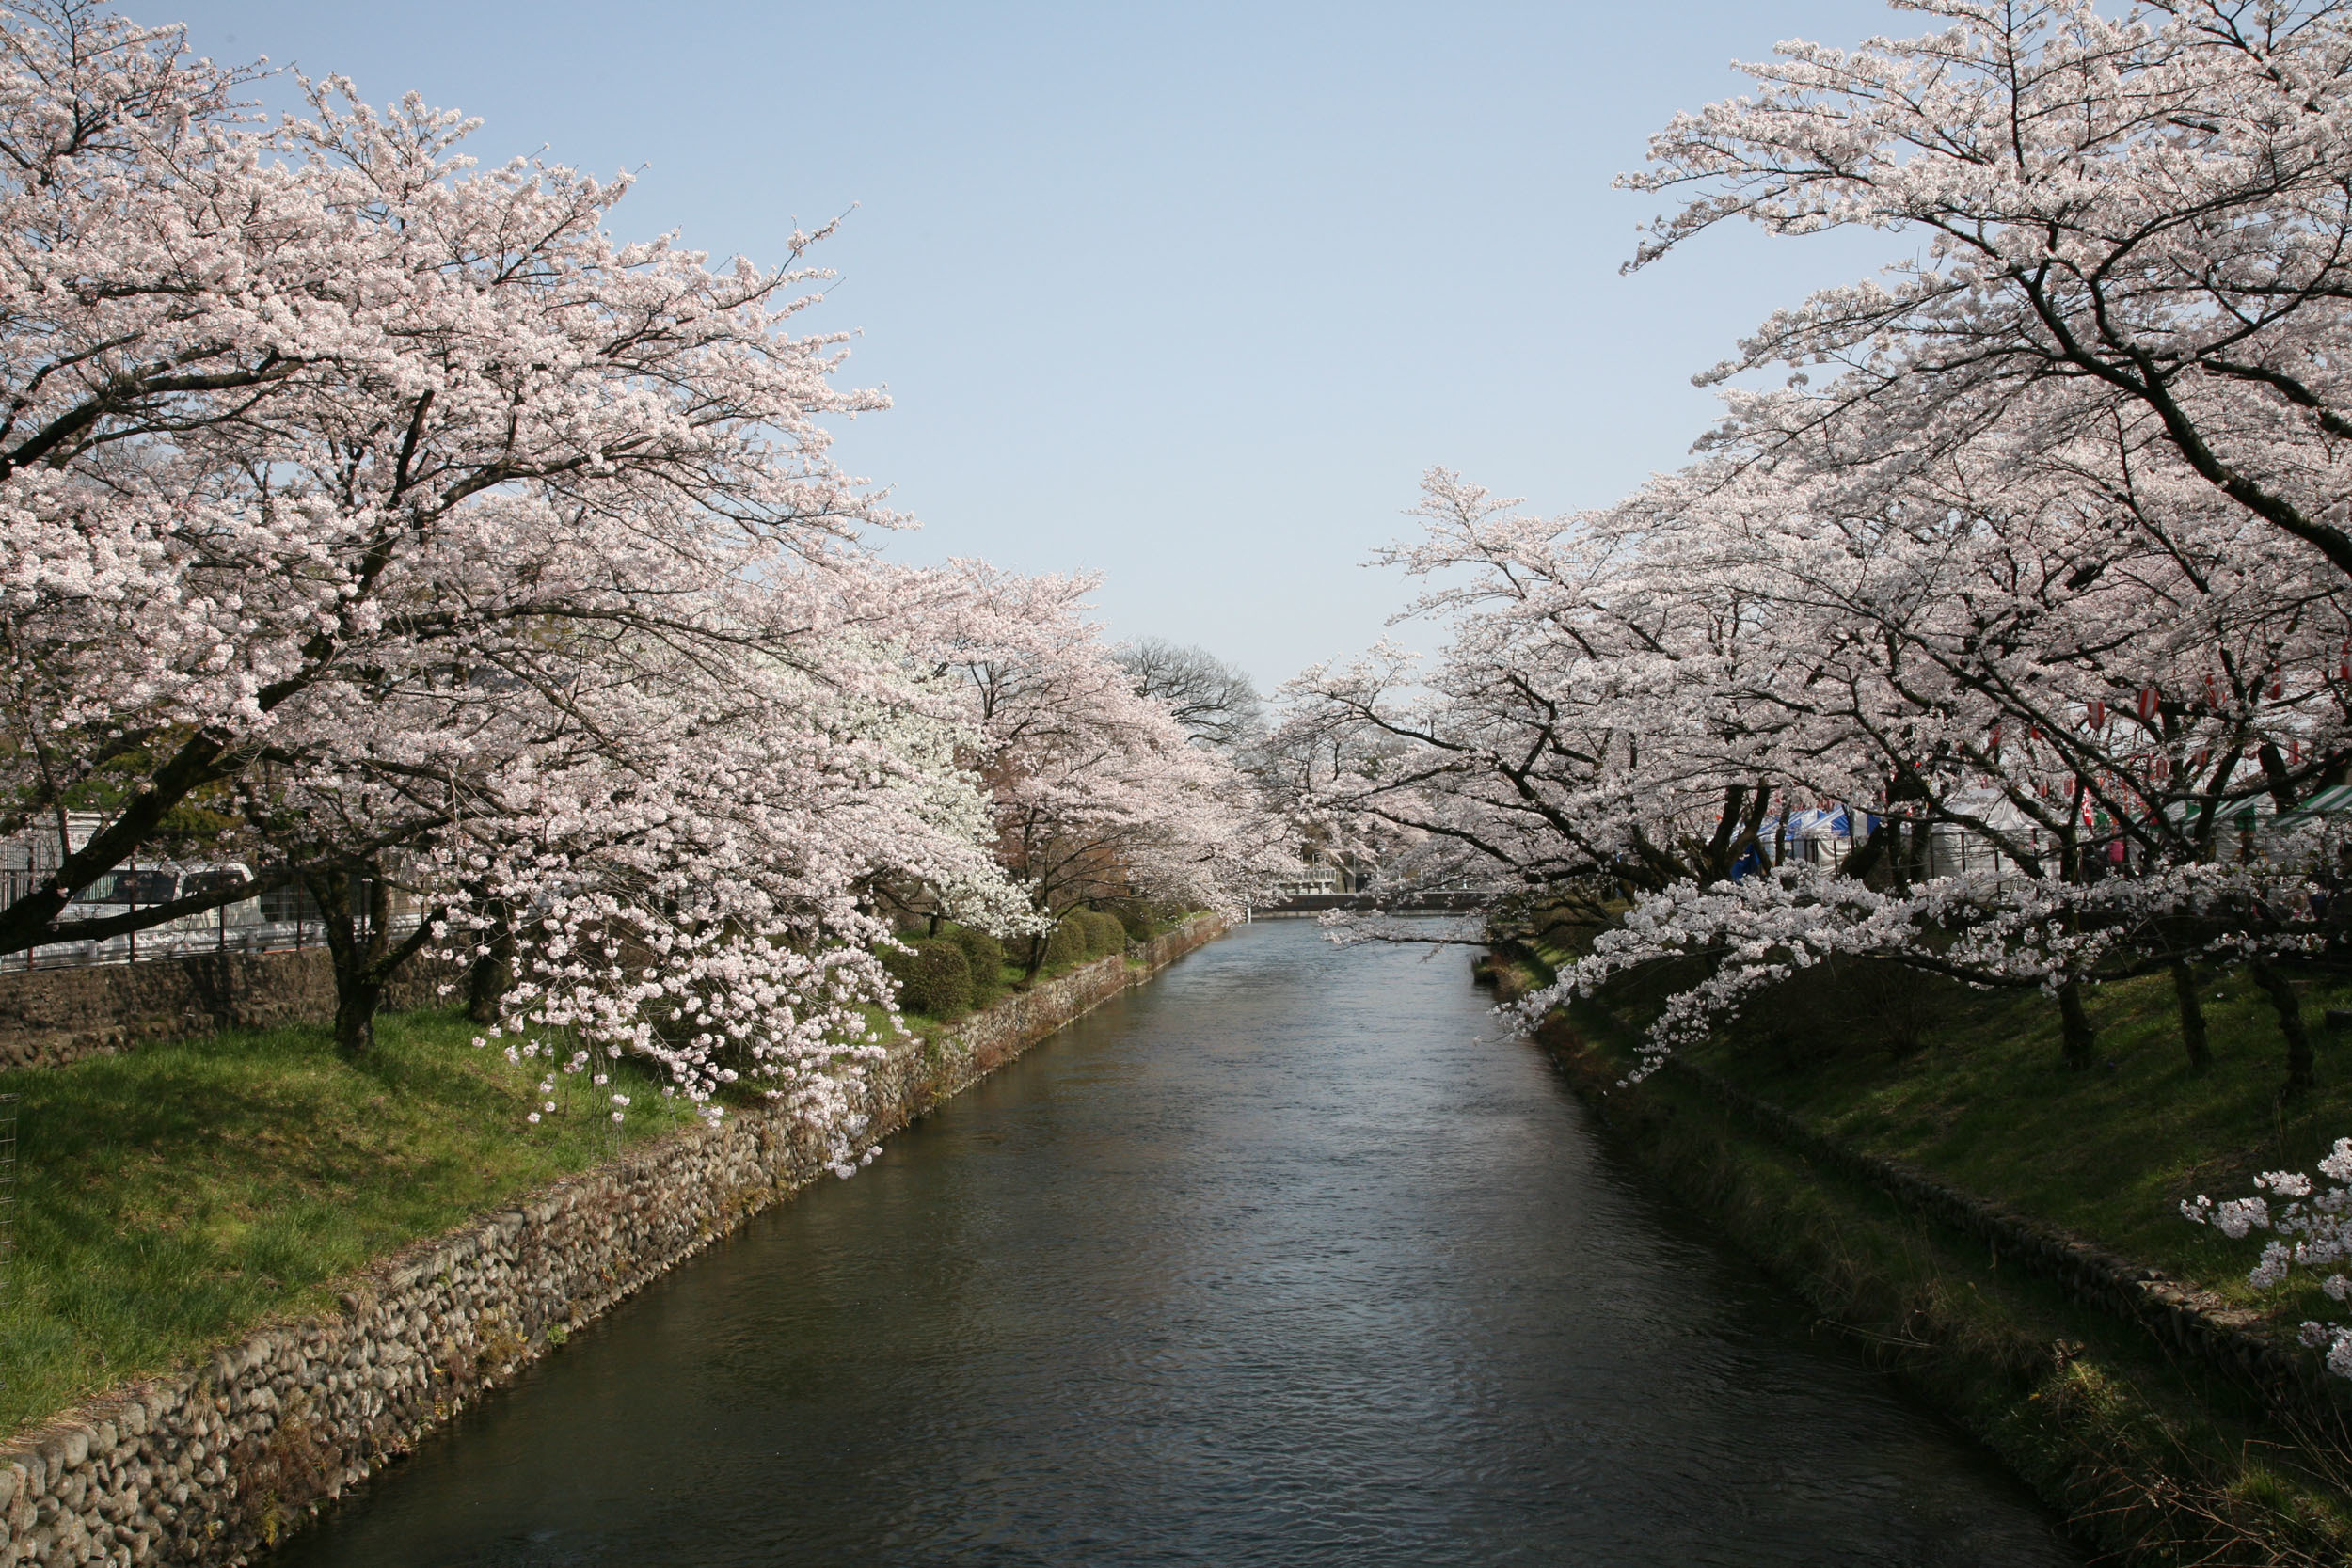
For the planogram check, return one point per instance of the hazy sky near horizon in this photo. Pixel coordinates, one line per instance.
(1185, 294)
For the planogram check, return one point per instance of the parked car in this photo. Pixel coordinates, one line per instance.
(118, 891)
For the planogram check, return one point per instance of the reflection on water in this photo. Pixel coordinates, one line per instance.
(1290, 1258)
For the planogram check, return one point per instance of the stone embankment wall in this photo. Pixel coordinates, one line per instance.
(2235, 1340)
(2197, 1322)
(50, 1017)
(210, 1464)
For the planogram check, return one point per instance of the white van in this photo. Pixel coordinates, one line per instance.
(120, 890)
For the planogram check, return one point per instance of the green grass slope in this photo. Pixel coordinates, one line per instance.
(1971, 1086)
(171, 1196)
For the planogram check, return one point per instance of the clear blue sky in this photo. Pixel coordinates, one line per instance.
(1186, 293)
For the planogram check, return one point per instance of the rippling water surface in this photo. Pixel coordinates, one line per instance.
(1288, 1258)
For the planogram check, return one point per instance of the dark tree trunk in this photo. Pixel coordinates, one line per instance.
(357, 1001)
(2074, 1026)
(2301, 1074)
(2192, 1016)
(358, 991)
(1880, 846)
(491, 975)
(364, 959)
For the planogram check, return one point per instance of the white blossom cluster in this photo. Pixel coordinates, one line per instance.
(2312, 1230)
(1986, 930)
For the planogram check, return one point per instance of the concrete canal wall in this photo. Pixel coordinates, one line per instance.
(214, 1464)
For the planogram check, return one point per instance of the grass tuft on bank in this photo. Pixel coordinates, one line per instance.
(172, 1196)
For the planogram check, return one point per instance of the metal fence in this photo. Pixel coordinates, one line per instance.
(278, 921)
(193, 937)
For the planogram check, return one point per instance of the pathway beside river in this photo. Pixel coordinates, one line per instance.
(1288, 1258)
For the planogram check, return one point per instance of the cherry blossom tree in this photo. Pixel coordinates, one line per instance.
(435, 541)
(1629, 698)
(1570, 740)
(2126, 327)
(1098, 792)
(2132, 220)
(2036, 544)
(2036, 561)
(303, 412)
(2046, 652)
(693, 886)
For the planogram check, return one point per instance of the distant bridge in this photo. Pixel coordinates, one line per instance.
(1436, 900)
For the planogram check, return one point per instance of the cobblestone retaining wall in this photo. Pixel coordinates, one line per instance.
(2234, 1339)
(210, 1464)
(2187, 1319)
(50, 1017)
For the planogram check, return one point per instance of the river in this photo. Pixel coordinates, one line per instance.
(1291, 1257)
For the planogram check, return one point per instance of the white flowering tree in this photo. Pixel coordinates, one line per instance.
(695, 888)
(392, 509)
(1570, 740)
(2130, 222)
(2036, 541)
(299, 414)
(1097, 790)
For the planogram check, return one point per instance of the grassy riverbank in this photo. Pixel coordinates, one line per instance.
(1986, 1103)
(2153, 1459)
(170, 1198)
(1971, 1088)
(171, 1195)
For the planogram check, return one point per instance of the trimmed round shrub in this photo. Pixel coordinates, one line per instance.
(933, 978)
(985, 956)
(1135, 918)
(1105, 934)
(1068, 945)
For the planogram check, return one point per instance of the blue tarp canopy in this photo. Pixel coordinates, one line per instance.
(1818, 822)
